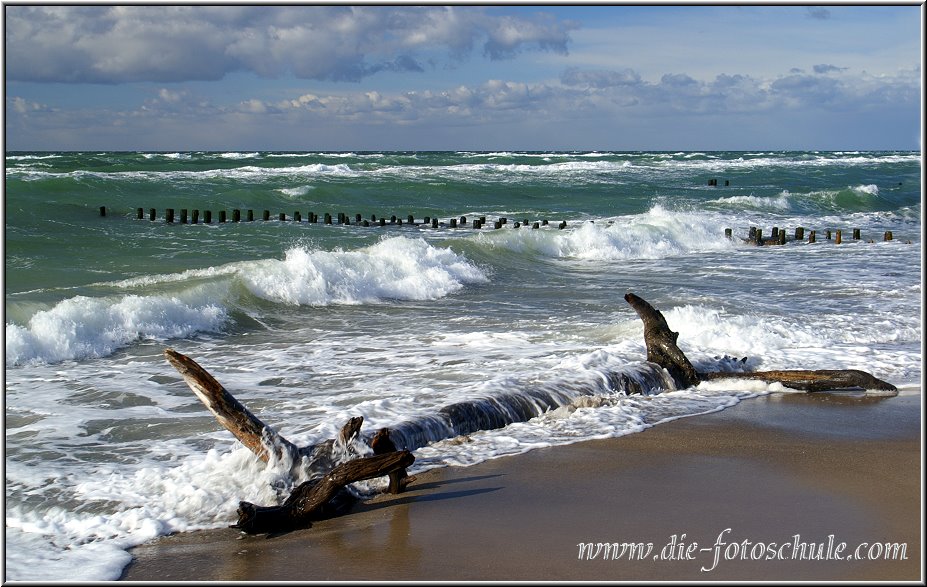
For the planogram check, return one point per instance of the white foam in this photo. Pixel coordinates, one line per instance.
(31, 157)
(251, 172)
(397, 268)
(779, 202)
(548, 169)
(656, 234)
(778, 342)
(817, 161)
(82, 327)
(644, 163)
(236, 155)
(248, 172)
(201, 492)
(32, 556)
(296, 192)
(178, 156)
(190, 275)
(868, 189)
